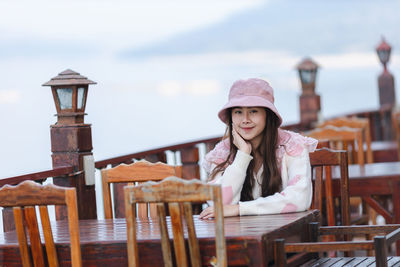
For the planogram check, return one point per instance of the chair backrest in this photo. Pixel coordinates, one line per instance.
(135, 173)
(322, 160)
(24, 198)
(343, 138)
(354, 122)
(178, 194)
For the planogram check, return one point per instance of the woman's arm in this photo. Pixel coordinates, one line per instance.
(297, 189)
(229, 210)
(232, 179)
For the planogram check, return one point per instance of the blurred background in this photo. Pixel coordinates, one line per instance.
(164, 68)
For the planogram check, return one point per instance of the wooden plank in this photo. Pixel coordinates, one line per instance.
(165, 244)
(396, 264)
(73, 227)
(177, 229)
(48, 237)
(341, 262)
(26, 191)
(370, 261)
(351, 261)
(322, 262)
(22, 240)
(37, 175)
(192, 238)
(34, 235)
(393, 261)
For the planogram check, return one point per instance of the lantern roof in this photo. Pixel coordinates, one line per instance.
(307, 64)
(68, 77)
(383, 45)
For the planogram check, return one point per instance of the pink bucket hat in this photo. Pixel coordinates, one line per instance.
(250, 93)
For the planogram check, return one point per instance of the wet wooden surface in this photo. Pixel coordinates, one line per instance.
(103, 242)
(374, 180)
(379, 178)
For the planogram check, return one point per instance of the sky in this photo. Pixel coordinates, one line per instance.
(163, 68)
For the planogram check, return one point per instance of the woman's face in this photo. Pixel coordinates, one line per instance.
(249, 122)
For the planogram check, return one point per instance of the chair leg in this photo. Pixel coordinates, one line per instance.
(313, 235)
(279, 253)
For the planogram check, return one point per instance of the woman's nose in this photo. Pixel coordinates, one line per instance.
(246, 117)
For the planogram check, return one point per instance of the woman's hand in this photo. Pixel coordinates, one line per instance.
(240, 143)
(229, 211)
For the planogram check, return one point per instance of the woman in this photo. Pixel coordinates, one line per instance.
(262, 169)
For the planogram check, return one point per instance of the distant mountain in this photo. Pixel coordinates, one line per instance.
(297, 26)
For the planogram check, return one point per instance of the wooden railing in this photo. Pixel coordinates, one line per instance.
(186, 150)
(381, 129)
(38, 176)
(380, 122)
(7, 213)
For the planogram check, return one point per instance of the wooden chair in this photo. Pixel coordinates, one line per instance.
(23, 198)
(179, 194)
(354, 122)
(138, 172)
(380, 244)
(349, 139)
(345, 138)
(326, 157)
(322, 160)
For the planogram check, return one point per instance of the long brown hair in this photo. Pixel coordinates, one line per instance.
(271, 182)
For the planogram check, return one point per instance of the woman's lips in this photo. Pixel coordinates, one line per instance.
(247, 129)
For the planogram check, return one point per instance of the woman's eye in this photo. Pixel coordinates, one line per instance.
(253, 111)
(237, 111)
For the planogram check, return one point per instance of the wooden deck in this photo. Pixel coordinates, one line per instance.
(350, 261)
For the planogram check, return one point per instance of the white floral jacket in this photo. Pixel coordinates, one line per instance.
(294, 163)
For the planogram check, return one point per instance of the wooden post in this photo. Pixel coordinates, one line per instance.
(71, 139)
(191, 168)
(310, 106)
(190, 162)
(387, 96)
(8, 219)
(69, 143)
(310, 102)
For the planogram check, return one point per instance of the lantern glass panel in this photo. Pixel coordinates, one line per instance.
(81, 97)
(64, 96)
(307, 76)
(383, 56)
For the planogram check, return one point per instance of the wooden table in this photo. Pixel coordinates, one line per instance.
(103, 242)
(376, 179)
(384, 151)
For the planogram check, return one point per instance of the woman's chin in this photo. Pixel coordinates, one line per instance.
(248, 138)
